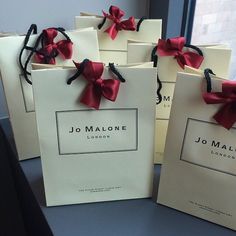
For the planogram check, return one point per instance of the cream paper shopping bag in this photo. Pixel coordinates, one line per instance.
(92, 155)
(216, 57)
(7, 34)
(115, 50)
(18, 92)
(198, 174)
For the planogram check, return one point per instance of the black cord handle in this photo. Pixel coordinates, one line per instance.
(207, 73)
(154, 59)
(154, 56)
(140, 22)
(195, 48)
(54, 53)
(116, 72)
(31, 30)
(32, 51)
(59, 29)
(102, 23)
(159, 96)
(137, 27)
(79, 71)
(41, 38)
(82, 67)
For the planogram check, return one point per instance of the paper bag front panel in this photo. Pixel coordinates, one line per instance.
(18, 92)
(116, 50)
(198, 173)
(95, 155)
(216, 57)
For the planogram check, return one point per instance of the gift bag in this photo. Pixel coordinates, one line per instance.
(95, 132)
(216, 57)
(114, 31)
(7, 34)
(52, 46)
(199, 173)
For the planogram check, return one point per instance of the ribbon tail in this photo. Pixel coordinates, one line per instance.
(181, 61)
(193, 59)
(190, 59)
(226, 116)
(128, 24)
(112, 31)
(64, 48)
(111, 89)
(213, 98)
(91, 96)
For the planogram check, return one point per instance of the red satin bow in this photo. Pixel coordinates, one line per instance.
(97, 87)
(226, 116)
(174, 47)
(116, 15)
(48, 53)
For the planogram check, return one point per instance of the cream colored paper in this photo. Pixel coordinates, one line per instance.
(7, 34)
(216, 57)
(190, 70)
(18, 92)
(116, 50)
(115, 165)
(199, 178)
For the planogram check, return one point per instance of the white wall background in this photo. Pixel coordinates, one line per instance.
(16, 16)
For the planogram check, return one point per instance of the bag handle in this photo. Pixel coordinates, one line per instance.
(137, 27)
(78, 72)
(226, 113)
(199, 51)
(154, 59)
(82, 66)
(31, 30)
(207, 73)
(97, 87)
(41, 39)
(154, 50)
(118, 14)
(140, 22)
(116, 72)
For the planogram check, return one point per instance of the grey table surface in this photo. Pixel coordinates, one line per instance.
(143, 217)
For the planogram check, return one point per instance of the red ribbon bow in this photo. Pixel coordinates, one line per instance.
(174, 47)
(116, 15)
(48, 53)
(226, 116)
(97, 87)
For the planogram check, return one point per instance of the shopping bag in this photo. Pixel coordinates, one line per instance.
(198, 172)
(113, 32)
(7, 34)
(15, 73)
(216, 57)
(95, 132)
